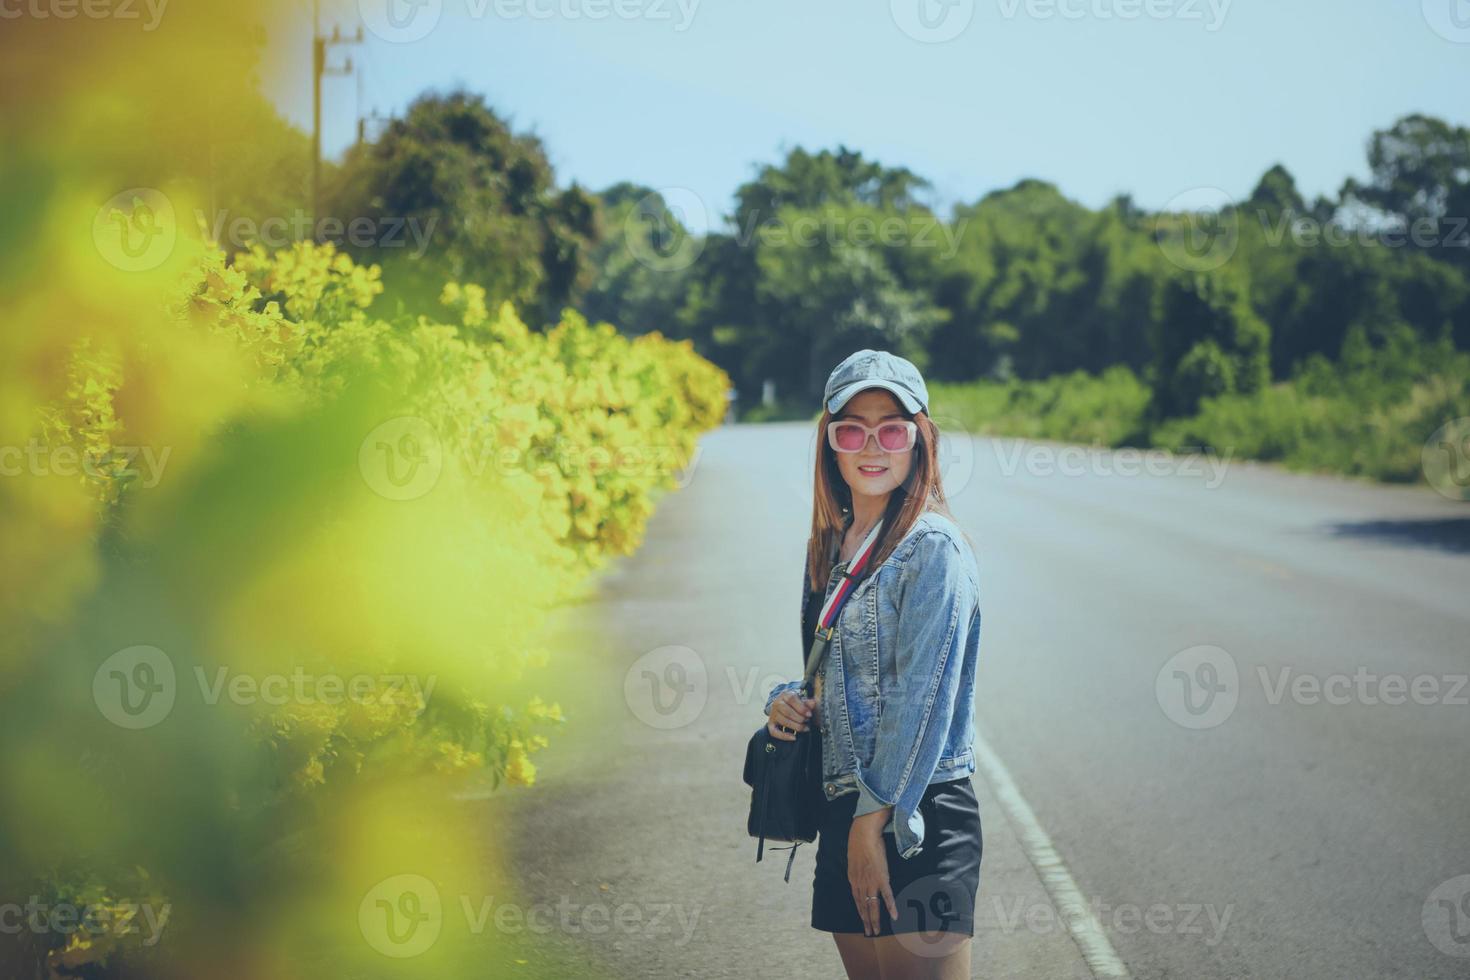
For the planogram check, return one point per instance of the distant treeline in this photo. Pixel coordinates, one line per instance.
(1359, 297)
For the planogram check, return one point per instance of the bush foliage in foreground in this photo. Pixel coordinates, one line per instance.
(275, 573)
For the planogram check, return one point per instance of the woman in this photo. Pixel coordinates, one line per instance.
(899, 845)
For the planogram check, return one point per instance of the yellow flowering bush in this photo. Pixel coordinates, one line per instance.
(275, 569)
(326, 498)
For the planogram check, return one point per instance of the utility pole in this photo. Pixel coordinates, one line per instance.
(319, 68)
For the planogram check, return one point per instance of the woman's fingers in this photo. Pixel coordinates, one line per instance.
(872, 916)
(867, 868)
(816, 711)
(788, 710)
(790, 714)
(867, 911)
(792, 718)
(888, 900)
(785, 724)
(796, 704)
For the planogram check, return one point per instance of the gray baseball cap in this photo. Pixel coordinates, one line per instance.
(876, 369)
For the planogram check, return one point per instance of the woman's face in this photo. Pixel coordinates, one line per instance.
(872, 472)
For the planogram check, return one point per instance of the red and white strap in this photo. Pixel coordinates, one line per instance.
(834, 602)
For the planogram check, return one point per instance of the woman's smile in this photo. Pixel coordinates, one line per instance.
(871, 469)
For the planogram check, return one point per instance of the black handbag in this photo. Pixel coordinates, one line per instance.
(785, 776)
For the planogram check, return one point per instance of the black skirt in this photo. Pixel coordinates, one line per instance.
(934, 890)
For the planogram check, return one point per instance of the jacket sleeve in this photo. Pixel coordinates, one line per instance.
(936, 600)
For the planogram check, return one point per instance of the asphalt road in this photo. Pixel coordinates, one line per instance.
(1231, 698)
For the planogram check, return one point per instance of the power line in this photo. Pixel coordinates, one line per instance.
(370, 125)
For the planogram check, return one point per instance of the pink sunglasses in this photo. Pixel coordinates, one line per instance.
(847, 436)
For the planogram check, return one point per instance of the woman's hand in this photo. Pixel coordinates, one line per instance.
(793, 711)
(867, 869)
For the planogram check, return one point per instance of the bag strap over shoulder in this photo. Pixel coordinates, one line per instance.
(826, 621)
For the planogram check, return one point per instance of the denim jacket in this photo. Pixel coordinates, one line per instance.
(898, 683)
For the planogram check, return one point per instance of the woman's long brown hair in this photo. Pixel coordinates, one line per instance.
(920, 491)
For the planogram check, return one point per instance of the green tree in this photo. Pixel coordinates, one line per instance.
(802, 276)
(484, 197)
(643, 263)
(1041, 285)
(1207, 341)
(1421, 172)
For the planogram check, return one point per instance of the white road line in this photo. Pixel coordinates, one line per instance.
(1086, 931)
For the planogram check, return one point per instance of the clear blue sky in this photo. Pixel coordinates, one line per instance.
(1097, 96)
